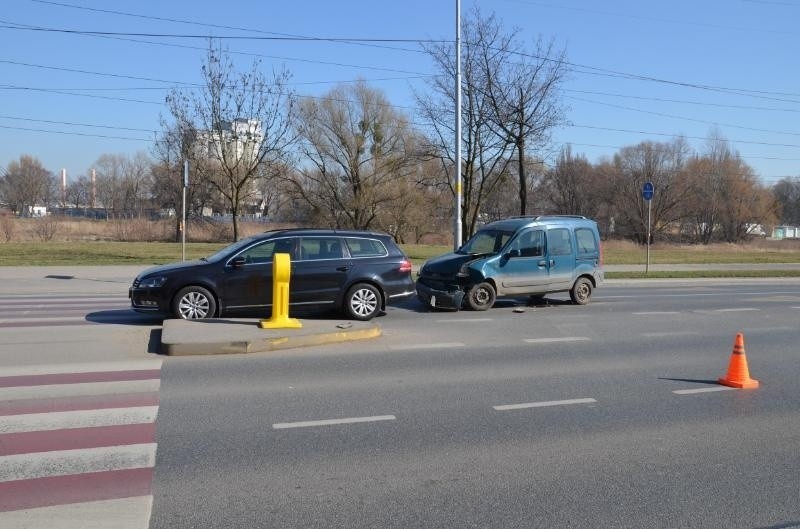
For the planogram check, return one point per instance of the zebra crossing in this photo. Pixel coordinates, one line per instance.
(78, 444)
(66, 310)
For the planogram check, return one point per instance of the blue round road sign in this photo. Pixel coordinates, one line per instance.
(647, 191)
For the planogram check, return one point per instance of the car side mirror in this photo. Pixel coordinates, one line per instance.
(238, 261)
(513, 253)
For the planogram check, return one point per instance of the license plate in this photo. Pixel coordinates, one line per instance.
(433, 301)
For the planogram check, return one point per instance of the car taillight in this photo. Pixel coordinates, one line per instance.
(405, 266)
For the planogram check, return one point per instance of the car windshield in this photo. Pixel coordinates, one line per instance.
(486, 241)
(230, 249)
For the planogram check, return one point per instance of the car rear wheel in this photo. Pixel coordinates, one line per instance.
(362, 302)
(194, 303)
(581, 291)
(481, 296)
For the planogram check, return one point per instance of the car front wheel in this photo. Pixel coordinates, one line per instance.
(362, 302)
(194, 303)
(481, 296)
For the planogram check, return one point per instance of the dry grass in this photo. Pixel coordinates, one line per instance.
(137, 241)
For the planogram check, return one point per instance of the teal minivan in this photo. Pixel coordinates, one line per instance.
(520, 256)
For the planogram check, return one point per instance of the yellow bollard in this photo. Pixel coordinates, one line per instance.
(281, 270)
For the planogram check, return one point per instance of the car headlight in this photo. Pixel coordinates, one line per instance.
(152, 282)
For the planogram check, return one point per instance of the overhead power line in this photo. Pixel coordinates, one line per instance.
(203, 24)
(209, 36)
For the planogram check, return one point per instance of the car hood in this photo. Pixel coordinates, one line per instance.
(169, 268)
(448, 265)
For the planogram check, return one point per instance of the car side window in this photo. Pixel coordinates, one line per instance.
(312, 248)
(586, 241)
(559, 242)
(530, 243)
(263, 253)
(359, 247)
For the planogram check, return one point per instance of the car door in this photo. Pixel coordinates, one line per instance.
(523, 268)
(248, 275)
(321, 271)
(560, 258)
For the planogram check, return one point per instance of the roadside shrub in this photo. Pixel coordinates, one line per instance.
(8, 228)
(45, 228)
(139, 230)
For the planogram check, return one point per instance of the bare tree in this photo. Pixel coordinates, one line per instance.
(523, 88)
(26, 183)
(572, 187)
(239, 122)
(663, 164)
(110, 170)
(787, 195)
(78, 192)
(485, 154)
(358, 151)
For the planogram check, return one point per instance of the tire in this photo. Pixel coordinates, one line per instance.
(481, 296)
(362, 302)
(581, 291)
(194, 303)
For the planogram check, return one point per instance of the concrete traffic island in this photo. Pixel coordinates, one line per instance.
(237, 336)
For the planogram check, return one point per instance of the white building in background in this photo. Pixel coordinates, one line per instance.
(241, 139)
(786, 232)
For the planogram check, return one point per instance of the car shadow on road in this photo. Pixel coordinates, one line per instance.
(123, 317)
(415, 305)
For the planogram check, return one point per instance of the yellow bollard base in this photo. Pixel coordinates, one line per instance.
(280, 323)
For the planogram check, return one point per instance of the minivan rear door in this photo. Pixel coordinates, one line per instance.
(561, 258)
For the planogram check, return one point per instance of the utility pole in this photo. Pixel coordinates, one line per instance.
(457, 236)
(183, 214)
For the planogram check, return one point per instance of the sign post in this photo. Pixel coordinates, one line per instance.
(647, 194)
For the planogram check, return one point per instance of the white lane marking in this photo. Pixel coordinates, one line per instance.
(443, 345)
(654, 313)
(87, 367)
(743, 309)
(557, 340)
(794, 307)
(701, 390)
(39, 422)
(25, 319)
(55, 300)
(80, 461)
(328, 422)
(699, 294)
(665, 334)
(126, 513)
(73, 390)
(544, 404)
(769, 329)
(468, 320)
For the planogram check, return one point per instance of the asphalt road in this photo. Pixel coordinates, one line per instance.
(523, 416)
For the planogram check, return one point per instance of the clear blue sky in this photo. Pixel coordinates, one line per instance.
(54, 85)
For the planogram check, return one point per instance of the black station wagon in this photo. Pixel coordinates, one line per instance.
(354, 271)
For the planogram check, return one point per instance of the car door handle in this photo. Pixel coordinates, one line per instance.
(342, 268)
(542, 263)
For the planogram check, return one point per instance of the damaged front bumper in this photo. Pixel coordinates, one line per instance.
(440, 298)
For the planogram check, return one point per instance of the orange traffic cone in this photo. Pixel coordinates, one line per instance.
(738, 375)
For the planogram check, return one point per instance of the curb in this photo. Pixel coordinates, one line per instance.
(221, 336)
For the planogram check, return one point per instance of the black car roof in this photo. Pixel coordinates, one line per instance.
(324, 231)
